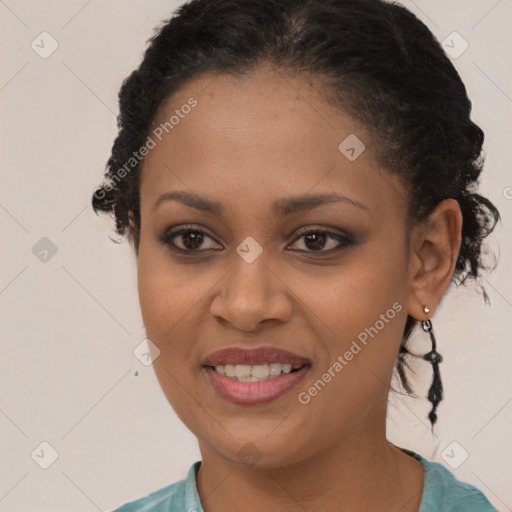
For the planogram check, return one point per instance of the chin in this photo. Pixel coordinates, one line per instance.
(256, 449)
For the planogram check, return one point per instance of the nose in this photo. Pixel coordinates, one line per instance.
(251, 294)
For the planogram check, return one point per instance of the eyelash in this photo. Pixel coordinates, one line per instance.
(168, 236)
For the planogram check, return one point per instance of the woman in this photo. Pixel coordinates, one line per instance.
(297, 180)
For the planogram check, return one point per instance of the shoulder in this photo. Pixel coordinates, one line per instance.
(179, 496)
(443, 492)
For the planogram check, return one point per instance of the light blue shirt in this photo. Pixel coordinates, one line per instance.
(442, 492)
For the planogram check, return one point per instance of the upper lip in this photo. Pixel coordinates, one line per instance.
(260, 355)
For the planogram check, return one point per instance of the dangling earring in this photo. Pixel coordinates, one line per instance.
(435, 393)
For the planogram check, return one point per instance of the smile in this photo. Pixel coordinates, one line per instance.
(256, 372)
(244, 384)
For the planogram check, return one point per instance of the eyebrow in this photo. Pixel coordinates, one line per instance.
(283, 207)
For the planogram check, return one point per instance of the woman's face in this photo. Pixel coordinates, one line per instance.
(252, 146)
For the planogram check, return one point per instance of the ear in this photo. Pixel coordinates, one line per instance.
(434, 249)
(133, 234)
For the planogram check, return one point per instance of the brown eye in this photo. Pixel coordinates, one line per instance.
(316, 240)
(188, 239)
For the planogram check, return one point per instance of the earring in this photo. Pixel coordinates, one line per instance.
(435, 393)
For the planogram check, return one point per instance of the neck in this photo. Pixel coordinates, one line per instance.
(360, 472)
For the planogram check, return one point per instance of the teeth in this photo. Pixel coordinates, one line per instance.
(242, 371)
(261, 371)
(229, 370)
(275, 369)
(255, 372)
(286, 368)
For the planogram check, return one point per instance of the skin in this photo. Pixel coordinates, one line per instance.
(250, 141)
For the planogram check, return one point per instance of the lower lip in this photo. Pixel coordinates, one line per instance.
(252, 393)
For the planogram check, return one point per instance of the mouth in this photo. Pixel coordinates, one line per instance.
(242, 384)
(254, 376)
(257, 372)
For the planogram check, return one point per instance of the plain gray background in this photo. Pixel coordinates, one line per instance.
(68, 298)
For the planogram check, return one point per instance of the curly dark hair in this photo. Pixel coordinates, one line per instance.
(375, 60)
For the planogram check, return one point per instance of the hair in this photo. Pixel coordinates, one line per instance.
(375, 60)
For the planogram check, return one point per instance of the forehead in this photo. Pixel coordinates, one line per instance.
(264, 133)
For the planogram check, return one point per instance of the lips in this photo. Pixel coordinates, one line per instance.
(254, 356)
(255, 393)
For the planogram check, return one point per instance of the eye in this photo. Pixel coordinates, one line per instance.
(315, 240)
(187, 239)
(190, 239)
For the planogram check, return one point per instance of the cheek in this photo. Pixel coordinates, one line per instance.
(358, 292)
(365, 317)
(163, 295)
(173, 299)
(362, 311)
